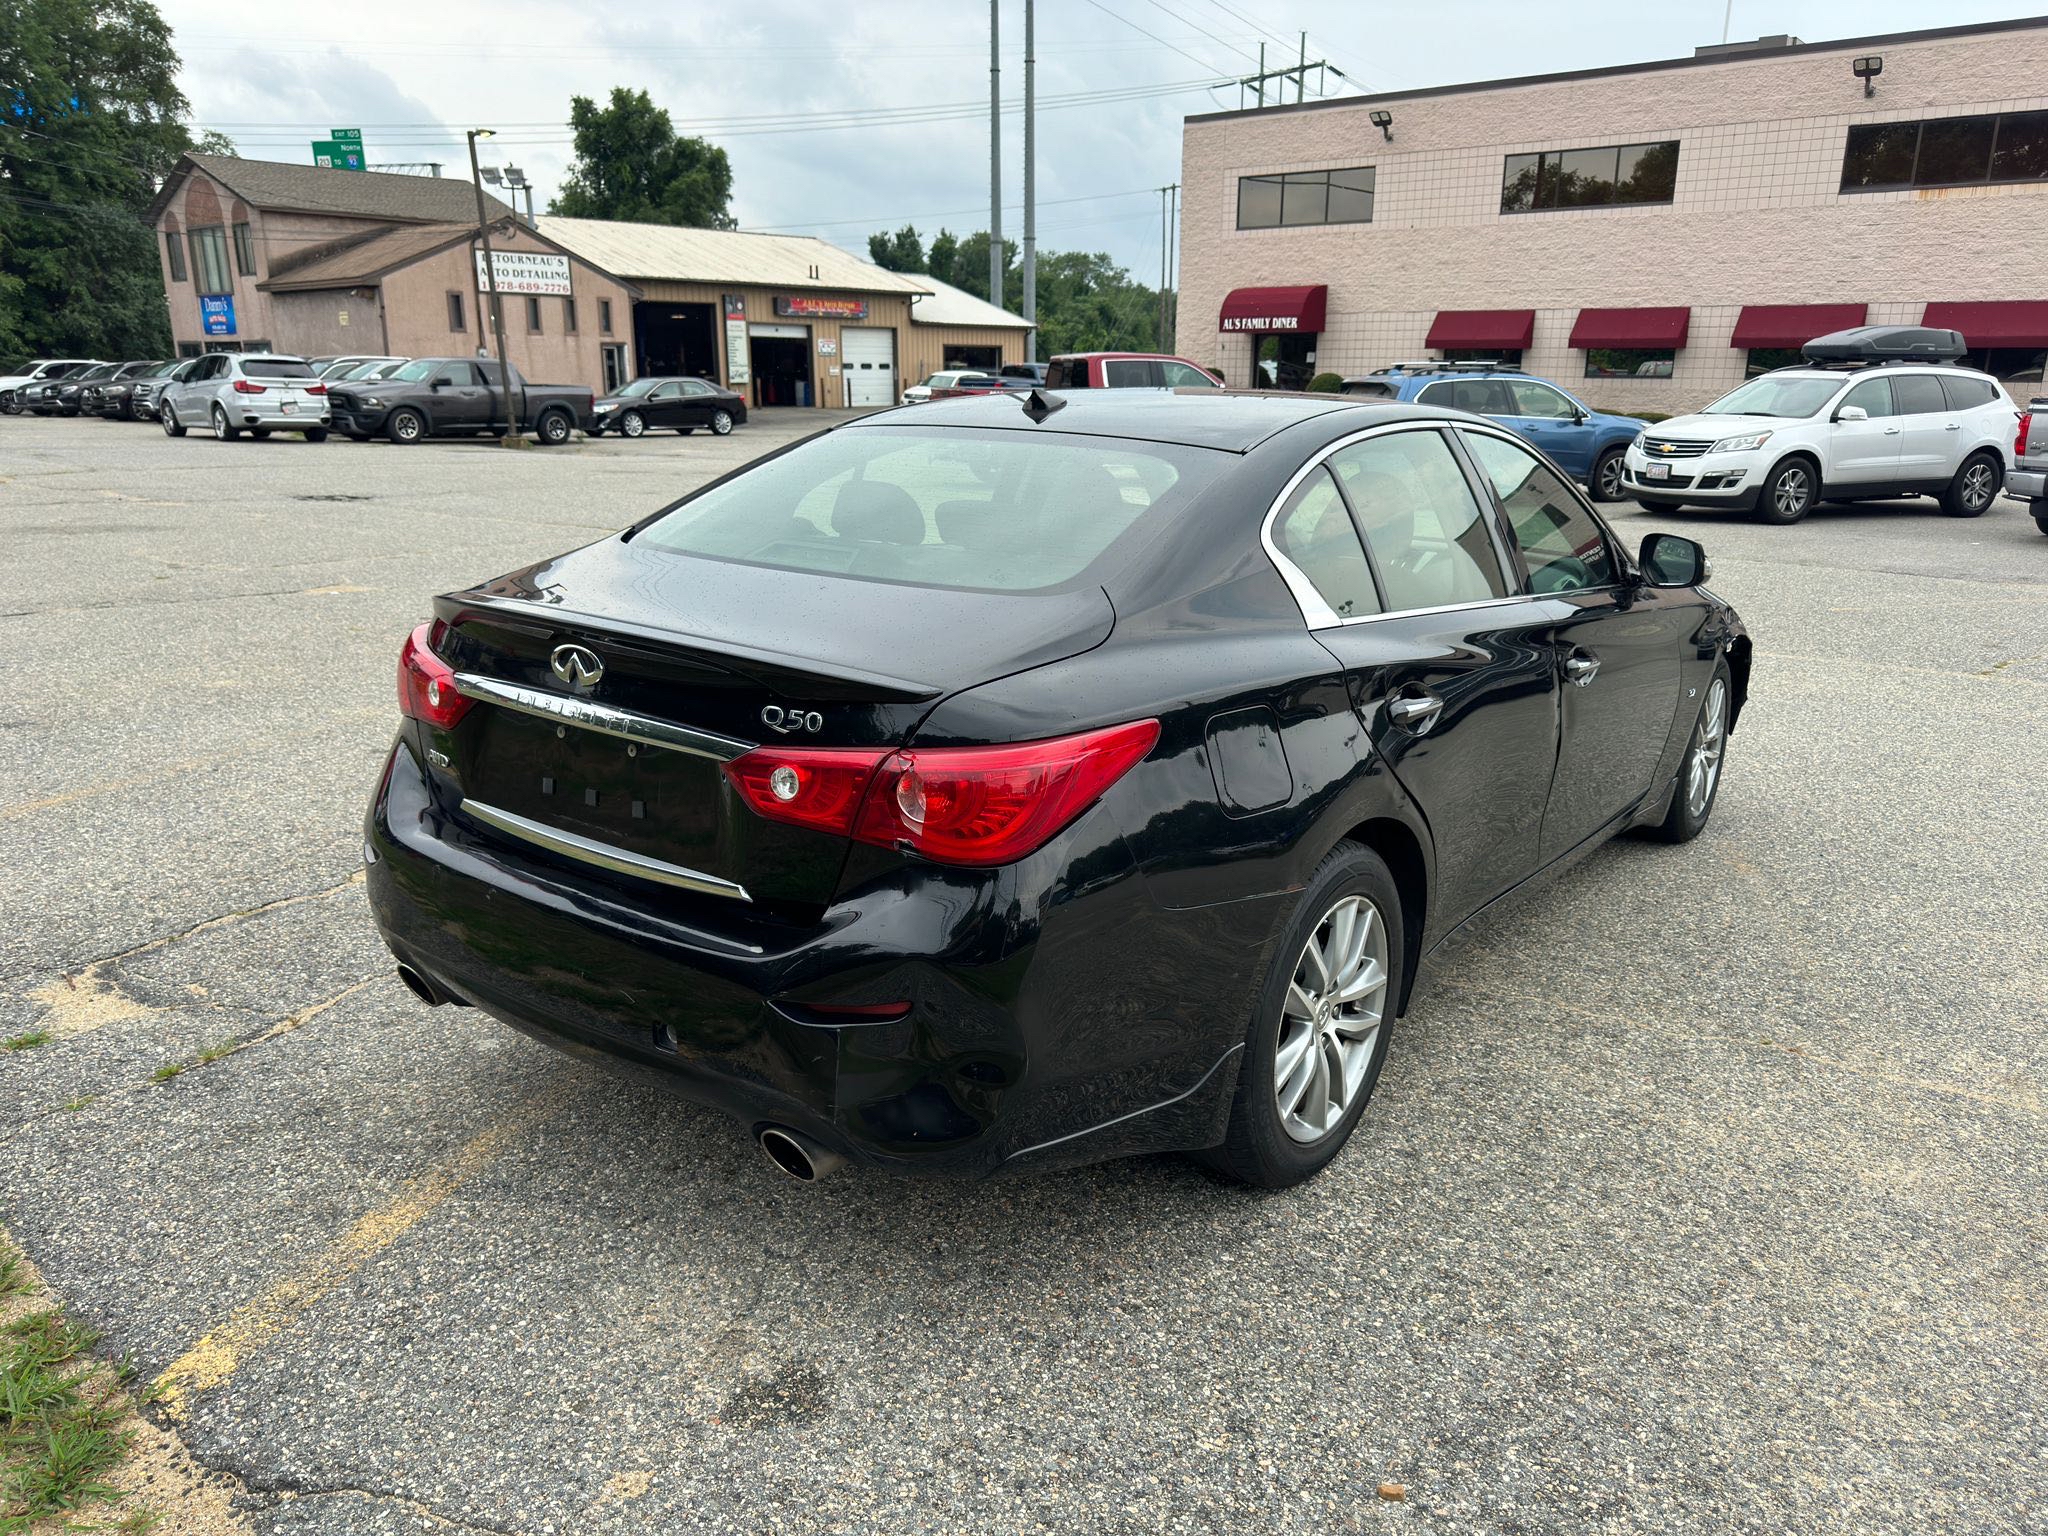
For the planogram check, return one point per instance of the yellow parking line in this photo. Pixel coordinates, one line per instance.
(216, 1357)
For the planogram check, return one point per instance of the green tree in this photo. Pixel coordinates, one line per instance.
(1086, 302)
(900, 252)
(630, 164)
(93, 120)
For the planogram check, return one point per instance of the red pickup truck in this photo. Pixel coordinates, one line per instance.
(1126, 370)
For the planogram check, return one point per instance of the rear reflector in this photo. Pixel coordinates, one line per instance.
(975, 806)
(426, 683)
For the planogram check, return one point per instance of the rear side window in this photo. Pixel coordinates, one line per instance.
(1067, 375)
(1315, 533)
(951, 508)
(1427, 534)
(1918, 394)
(277, 368)
(1560, 541)
(1130, 373)
(1482, 397)
(1966, 394)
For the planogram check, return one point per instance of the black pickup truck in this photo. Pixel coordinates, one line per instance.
(456, 397)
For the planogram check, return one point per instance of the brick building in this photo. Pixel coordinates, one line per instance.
(1646, 235)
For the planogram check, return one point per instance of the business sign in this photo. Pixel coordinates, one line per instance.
(525, 272)
(1262, 322)
(217, 313)
(739, 363)
(808, 307)
(341, 150)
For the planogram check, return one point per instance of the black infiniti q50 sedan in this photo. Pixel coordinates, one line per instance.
(1019, 783)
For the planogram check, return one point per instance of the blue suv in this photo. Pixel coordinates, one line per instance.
(1586, 444)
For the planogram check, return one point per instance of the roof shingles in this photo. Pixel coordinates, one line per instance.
(274, 184)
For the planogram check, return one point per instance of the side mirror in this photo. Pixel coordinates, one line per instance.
(1670, 561)
(438, 384)
(1852, 413)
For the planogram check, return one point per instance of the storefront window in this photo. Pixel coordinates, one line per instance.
(2014, 365)
(1506, 357)
(1629, 362)
(1764, 359)
(1284, 362)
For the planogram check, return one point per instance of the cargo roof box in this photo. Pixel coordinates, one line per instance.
(1885, 344)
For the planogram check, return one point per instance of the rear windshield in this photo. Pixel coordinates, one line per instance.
(994, 510)
(277, 368)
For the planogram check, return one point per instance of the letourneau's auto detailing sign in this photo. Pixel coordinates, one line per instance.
(810, 307)
(1262, 322)
(525, 272)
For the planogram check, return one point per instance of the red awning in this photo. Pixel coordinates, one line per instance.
(1994, 323)
(1645, 328)
(1793, 325)
(1275, 309)
(1507, 329)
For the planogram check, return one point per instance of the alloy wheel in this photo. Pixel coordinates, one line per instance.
(721, 422)
(632, 424)
(1330, 1020)
(220, 422)
(1792, 492)
(1611, 478)
(1709, 737)
(1978, 486)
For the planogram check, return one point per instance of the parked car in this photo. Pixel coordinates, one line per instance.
(1586, 444)
(2028, 477)
(149, 385)
(958, 381)
(114, 396)
(682, 403)
(1029, 373)
(63, 396)
(1126, 370)
(342, 367)
(985, 787)
(457, 397)
(1866, 418)
(19, 376)
(254, 392)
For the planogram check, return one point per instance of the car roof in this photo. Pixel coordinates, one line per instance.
(1233, 420)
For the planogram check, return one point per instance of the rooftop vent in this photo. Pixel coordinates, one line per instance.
(1761, 45)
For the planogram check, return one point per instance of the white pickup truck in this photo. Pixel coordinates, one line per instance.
(2028, 478)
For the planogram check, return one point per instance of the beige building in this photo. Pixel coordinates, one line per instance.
(263, 256)
(786, 319)
(1644, 235)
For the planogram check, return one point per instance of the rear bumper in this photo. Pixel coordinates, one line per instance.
(2027, 484)
(1049, 1025)
(297, 421)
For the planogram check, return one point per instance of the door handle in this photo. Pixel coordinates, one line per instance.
(1415, 712)
(1891, 431)
(1581, 667)
(1954, 426)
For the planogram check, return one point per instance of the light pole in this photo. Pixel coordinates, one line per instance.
(483, 232)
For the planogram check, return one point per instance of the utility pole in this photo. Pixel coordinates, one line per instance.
(1301, 70)
(995, 156)
(1259, 80)
(1173, 268)
(1160, 323)
(1030, 188)
(483, 232)
(1297, 72)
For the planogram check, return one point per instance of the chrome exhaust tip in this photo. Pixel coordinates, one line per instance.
(797, 1155)
(420, 987)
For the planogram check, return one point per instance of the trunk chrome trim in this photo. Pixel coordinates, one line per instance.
(603, 855)
(602, 718)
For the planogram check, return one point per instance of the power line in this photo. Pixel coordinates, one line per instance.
(1153, 35)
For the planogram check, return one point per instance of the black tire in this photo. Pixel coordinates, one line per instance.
(632, 424)
(2041, 521)
(224, 429)
(1790, 492)
(261, 434)
(553, 428)
(405, 426)
(721, 422)
(1684, 820)
(1258, 1149)
(316, 434)
(1975, 486)
(10, 403)
(168, 420)
(1606, 482)
(684, 431)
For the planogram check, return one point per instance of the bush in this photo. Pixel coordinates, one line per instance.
(1327, 383)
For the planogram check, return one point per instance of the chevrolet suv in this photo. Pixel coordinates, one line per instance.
(1586, 444)
(1890, 424)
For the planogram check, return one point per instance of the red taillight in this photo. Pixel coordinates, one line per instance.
(316, 389)
(244, 387)
(953, 805)
(2019, 444)
(426, 683)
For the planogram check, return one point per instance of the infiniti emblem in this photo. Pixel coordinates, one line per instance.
(577, 665)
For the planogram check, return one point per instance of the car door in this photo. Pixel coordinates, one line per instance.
(1553, 422)
(1864, 453)
(1930, 434)
(459, 397)
(1450, 671)
(1616, 644)
(672, 406)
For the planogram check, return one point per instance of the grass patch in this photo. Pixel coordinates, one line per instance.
(60, 1420)
(74, 1105)
(27, 1042)
(214, 1053)
(14, 1276)
(167, 1071)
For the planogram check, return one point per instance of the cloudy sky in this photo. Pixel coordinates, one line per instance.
(846, 116)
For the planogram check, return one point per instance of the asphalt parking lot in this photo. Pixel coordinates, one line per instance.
(1703, 1191)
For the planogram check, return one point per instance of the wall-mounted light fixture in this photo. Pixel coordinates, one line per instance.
(1384, 121)
(1867, 69)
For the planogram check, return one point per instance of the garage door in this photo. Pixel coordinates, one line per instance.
(867, 353)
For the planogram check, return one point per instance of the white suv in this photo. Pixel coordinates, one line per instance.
(256, 392)
(1789, 439)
